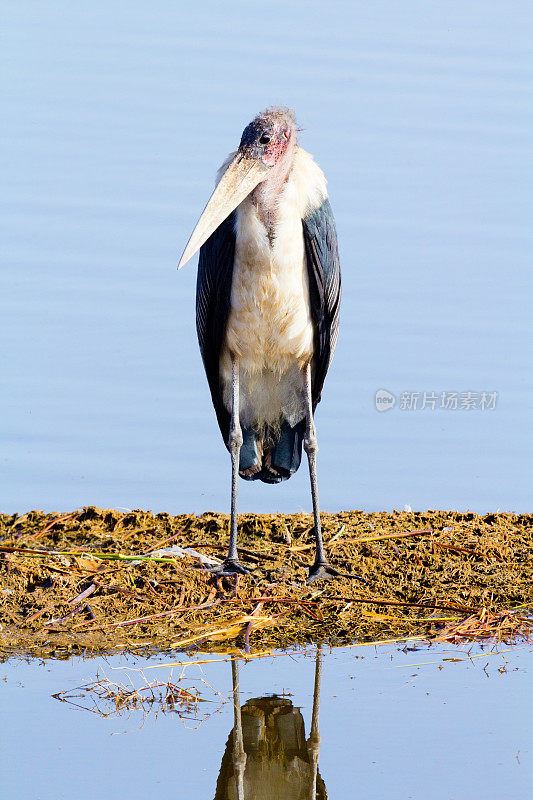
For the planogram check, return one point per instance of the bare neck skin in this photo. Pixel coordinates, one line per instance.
(266, 195)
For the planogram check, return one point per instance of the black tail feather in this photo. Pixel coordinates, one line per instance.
(276, 458)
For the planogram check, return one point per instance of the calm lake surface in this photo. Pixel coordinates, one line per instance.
(117, 116)
(437, 723)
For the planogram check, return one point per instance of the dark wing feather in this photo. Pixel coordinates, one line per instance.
(324, 272)
(213, 296)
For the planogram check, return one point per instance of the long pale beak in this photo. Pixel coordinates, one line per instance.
(240, 178)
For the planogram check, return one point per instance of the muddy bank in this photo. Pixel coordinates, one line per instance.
(96, 581)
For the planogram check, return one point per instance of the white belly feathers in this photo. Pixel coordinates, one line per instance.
(270, 329)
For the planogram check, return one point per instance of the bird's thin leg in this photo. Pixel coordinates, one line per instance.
(235, 443)
(321, 568)
(311, 448)
(232, 565)
(239, 753)
(313, 743)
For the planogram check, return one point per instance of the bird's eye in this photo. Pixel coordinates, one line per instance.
(265, 138)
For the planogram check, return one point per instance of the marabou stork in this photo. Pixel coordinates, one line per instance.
(267, 309)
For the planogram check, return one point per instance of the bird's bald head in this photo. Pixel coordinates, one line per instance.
(270, 136)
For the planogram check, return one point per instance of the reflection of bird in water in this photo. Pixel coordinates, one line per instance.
(267, 755)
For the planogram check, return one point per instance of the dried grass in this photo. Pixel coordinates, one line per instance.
(91, 581)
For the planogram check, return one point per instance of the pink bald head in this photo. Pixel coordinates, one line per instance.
(270, 137)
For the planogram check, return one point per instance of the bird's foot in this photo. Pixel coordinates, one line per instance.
(323, 571)
(231, 566)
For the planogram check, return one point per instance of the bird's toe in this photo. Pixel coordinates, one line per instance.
(231, 566)
(324, 572)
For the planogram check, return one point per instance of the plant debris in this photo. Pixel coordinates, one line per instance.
(102, 581)
(108, 698)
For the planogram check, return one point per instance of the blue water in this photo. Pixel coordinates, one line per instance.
(117, 116)
(393, 724)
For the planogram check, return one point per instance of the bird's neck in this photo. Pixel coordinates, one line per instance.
(266, 194)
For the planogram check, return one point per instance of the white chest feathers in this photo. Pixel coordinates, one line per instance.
(269, 326)
(270, 329)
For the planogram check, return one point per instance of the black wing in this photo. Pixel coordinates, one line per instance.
(213, 295)
(323, 269)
